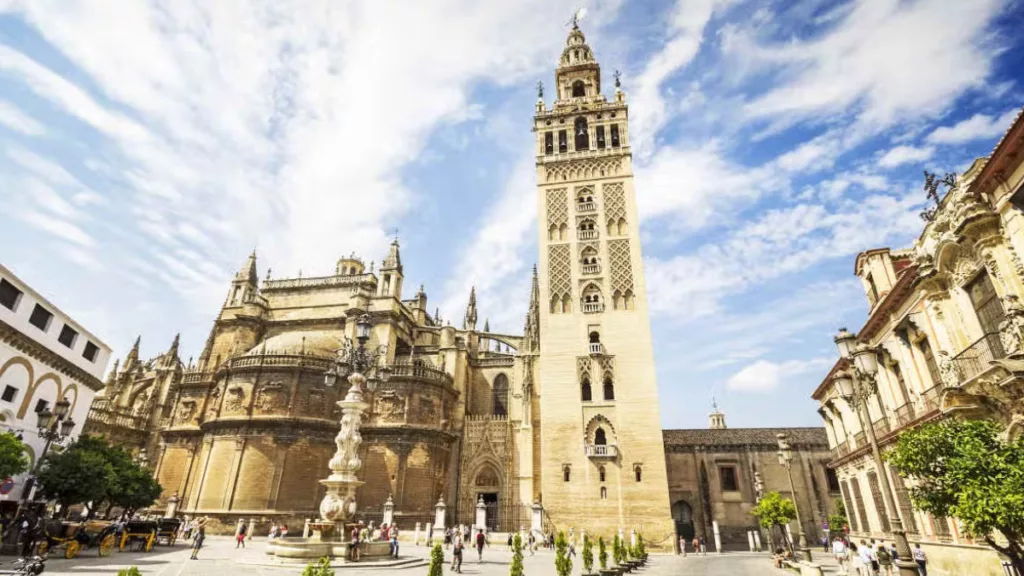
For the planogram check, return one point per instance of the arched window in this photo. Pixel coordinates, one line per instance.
(604, 493)
(639, 473)
(600, 473)
(566, 304)
(501, 395)
(579, 89)
(553, 233)
(585, 391)
(609, 389)
(599, 437)
(595, 338)
(581, 134)
(566, 473)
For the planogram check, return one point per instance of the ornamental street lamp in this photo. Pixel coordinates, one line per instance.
(855, 387)
(786, 459)
(52, 427)
(358, 360)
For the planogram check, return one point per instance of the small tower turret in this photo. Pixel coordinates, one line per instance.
(170, 359)
(716, 420)
(469, 322)
(133, 355)
(245, 283)
(391, 273)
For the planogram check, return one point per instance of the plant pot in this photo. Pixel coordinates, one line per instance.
(608, 572)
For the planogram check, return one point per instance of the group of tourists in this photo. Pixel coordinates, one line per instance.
(699, 545)
(362, 533)
(871, 558)
(458, 538)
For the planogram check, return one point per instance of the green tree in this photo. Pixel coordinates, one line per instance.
(321, 568)
(837, 520)
(775, 511)
(436, 561)
(131, 486)
(563, 564)
(588, 554)
(13, 460)
(641, 550)
(617, 550)
(963, 469)
(74, 476)
(133, 571)
(602, 553)
(516, 569)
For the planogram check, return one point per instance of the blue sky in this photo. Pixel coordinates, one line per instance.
(148, 146)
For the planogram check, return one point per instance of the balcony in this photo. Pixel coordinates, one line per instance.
(596, 349)
(609, 451)
(586, 207)
(587, 234)
(931, 398)
(593, 307)
(860, 440)
(841, 450)
(905, 415)
(591, 269)
(881, 427)
(976, 357)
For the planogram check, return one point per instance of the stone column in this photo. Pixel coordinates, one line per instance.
(430, 533)
(172, 506)
(718, 536)
(481, 513)
(757, 540)
(439, 516)
(632, 537)
(389, 511)
(537, 518)
(750, 539)
(305, 529)
(252, 527)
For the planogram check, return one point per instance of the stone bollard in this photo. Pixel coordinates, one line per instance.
(252, 528)
(750, 539)
(718, 536)
(416, 540)
(757, 540)
(305, 529)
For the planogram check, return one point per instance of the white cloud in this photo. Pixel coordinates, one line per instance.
(901, 155)
(17, 120)
(764, 376)
(977, 127)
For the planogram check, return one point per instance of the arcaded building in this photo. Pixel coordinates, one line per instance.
(565, 413)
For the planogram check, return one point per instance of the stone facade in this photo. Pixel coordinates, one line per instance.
(711, 479)
(946, 317)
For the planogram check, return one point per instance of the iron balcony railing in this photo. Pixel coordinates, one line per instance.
(930, 399)
(593, 307)
(860, 439)
(586, 207)
(976, 357)
(596, 349)
(591, 269)
(905, 415)
(587, 234)
(841, 450)
(602, 451)
(881, 426)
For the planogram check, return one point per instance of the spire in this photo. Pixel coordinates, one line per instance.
(487, 325)
(469, 322)
(112, 377)
(171, 357)
(133, 354)
(716, 420)
(531, 328)
(393, 261)
(248, 270)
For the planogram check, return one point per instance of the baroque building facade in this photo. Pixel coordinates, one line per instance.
(946, 318)
(565, 414)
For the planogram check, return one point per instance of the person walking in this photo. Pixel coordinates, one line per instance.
(240, 537)
(197, 540)
(532, 541)
(868, 560)
(457, 555)
(824, 543)
(696, 545)
(393, 535)
(921, 559)
(354, 543)
(682, 546)
(703, 546)
(447, 538)
(884, 560)
(839, 553)
(572, 543)
(509, 541)
(480, 541)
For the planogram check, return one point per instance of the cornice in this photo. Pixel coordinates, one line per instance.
(26, 345)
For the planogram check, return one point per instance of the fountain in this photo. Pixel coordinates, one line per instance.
(362, 367)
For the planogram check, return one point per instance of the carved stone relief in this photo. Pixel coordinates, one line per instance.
(390, 407)
(235, 400)
(270, 398)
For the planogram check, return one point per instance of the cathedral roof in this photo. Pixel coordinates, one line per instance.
(309, 343)
(744, 437)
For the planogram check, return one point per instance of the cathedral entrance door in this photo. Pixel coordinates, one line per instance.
(491, 505)
(682, 514)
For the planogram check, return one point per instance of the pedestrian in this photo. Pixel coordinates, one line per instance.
(696, 545)
(824, 543)
(856, 563)
(457, 555)
(884, 560)
(364, 533)
(868, 559)
(240, 537)
(354, 543)
(509, 541)
(839, 553)
(284, 531)
(572, 542)
(393, 535)
(703, 546)
(28, 537)
(532, 541)
(892, 552)
(480, 540)
(921, 559)
(197, 541)
(682, 546)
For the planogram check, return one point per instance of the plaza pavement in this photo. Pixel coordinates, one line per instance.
(220, 558)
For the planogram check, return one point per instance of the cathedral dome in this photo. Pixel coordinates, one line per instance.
(309, 343)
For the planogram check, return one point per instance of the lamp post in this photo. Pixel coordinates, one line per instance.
(855, 387)
(53, 427)
(786, 459)
(360, 366)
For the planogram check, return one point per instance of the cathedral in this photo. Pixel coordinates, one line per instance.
(565, 414)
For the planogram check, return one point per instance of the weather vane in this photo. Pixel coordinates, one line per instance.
(540, 89)
(576, 17)
(618, 79)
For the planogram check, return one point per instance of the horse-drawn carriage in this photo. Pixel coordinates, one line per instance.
(139, 532)
(167, 529)
(76, 536)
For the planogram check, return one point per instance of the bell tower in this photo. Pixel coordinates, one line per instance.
(602, 454)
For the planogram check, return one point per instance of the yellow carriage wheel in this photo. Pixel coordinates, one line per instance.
(71, 549)
(150, 540)
(107, 545)
(124, 540)
(42, 548)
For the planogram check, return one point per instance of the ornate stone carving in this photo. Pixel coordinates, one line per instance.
(235, 400)
(271, 397)
(614, 202)
(583, 169)
(559, 271)
(427, 413)
(389, 407)
(316, 403)
(186, 410)
(211, 405)
(621, 266)
(557, 207)
(947, 370)
(1011, 329)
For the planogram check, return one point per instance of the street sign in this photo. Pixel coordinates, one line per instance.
(6, 486)
(824, 526)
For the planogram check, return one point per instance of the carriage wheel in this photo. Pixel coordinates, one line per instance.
(150, 540)
(124, 540)
(172, 539)
(107, 545)
(71, 549)
(42, 548)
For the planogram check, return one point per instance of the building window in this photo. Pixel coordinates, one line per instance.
(579, 89)
(501, 395)
(615, 135)
(90, 352)
(9, 295)
(876, 496)
(851, 512)
(604, 493)
(858, 499)
(581, 135)
(599, 437)
(987, 307)
(609, 389)
(585, 391)
(929, 361)
(563, 141)
(9, 393)
(566, 473)
(832, 479)
(549, 143)
(727, 478)
(40, 318)
(600, 137)
(67, 337)
(639, 473)
(41, 405)
(601, 473)
(898, 373)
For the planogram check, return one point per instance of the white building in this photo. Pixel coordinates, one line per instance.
(44, 356)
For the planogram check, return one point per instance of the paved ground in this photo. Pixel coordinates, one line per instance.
(220, 558)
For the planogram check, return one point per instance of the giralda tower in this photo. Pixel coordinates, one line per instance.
(602, 456)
